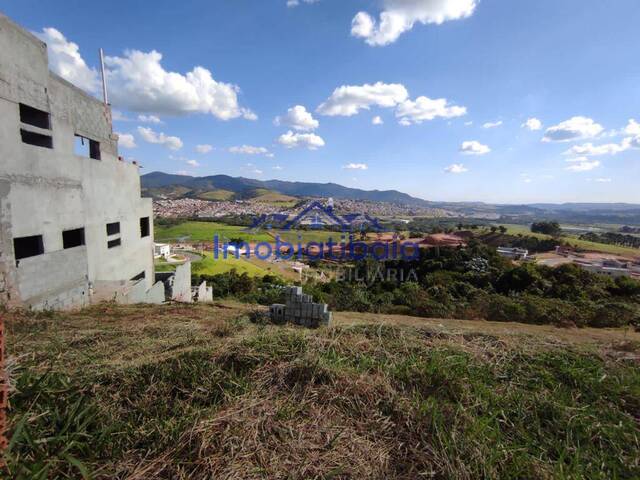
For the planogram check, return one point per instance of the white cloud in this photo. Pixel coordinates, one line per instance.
(423, 108)
(356, 166)
(183, 173)
(591, 150)
(249, 115)
(377, 120)
(603, 180)
(576, 128)
(307, 140)
(492, 124)
(399, 16)
(582, 164)
(203, 148)
(249, 150)
(126, 140)
(251, 168)
(295, 3)
(118, 116)
(149, 119)
(632, 128)
(66, 61)
(473, 147)
(138, 82)
(456, 168)
(532, 124)
(193, 163)
(469, 123)
(348, 100)
(299, 119)
(276, 167)
(148, 135)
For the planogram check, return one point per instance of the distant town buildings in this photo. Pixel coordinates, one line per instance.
(194, 208)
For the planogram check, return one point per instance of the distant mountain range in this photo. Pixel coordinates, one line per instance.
(223, 187)
(155, 182)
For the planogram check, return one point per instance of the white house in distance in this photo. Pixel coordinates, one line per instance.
(611, 268)
(161, 250)
(73, 226)
(513, 253)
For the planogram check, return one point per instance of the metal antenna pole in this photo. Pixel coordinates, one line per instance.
(104, 79)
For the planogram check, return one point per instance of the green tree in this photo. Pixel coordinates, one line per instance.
(547, 228)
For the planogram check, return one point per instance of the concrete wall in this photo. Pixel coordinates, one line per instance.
(155, 294)
(205, 293)
(137, 293)
(45, 191)
(47, 286)
(181, 286)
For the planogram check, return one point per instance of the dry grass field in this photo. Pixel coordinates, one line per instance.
(199, 392)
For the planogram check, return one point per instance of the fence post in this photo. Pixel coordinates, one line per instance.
(4, 393)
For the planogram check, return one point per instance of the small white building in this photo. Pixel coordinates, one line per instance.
(513, 253)
(613, 272)
(161, 250)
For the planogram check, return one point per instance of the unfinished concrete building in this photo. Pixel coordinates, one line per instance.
(73, 226)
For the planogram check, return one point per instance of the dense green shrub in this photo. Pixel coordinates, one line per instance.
(615, 314)
(462, 283)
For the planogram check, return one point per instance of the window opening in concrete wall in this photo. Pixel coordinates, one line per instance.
(140, 276)
(25, 247)
(35, 117)
(85, 147)
(113, 228)
(114, 243)
(36, 139)
(73, 238)
(144, 227)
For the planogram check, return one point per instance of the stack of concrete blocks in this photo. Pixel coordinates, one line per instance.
(300, 310)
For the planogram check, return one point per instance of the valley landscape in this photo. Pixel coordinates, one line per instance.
(304, 239)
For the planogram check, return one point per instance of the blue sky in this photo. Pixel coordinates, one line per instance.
(569, 66)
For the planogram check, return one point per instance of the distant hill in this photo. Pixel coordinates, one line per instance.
(219, 187)
(154, 183)
(274, 198)
(216, 195)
